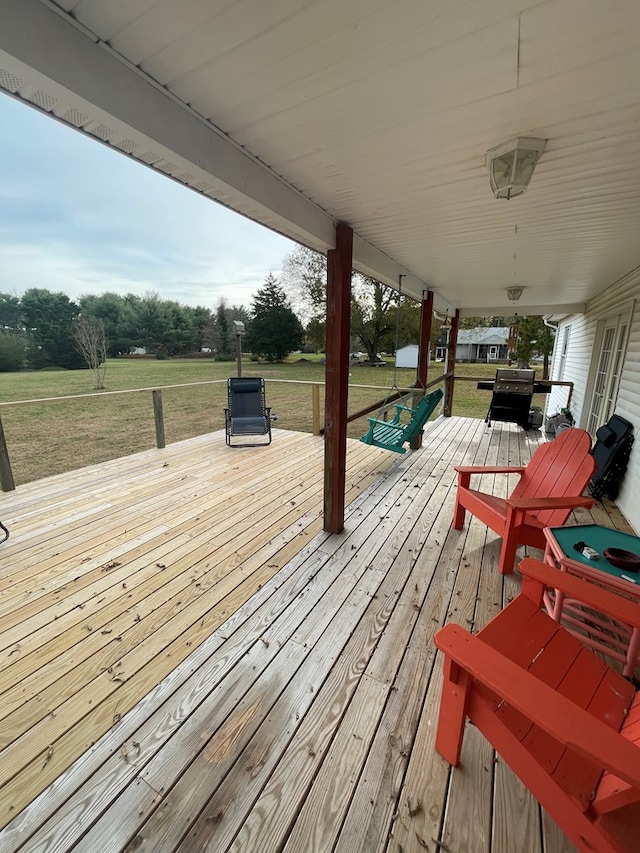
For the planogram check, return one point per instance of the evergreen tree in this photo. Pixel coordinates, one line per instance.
(10, 313)
(222, 325)
(112, 310)
(274, 330)
(221, 334)
(48, 318)
(166, 327)
(13, 350)
(200, 318)
(13, 339)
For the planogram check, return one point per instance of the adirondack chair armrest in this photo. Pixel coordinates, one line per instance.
(465, 472)
(557, 715)
(528, 504)
(489, 469)
(374, 422)
(538, 576)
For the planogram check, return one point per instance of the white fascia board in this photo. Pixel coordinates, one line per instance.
(522, 310)
(47, 49)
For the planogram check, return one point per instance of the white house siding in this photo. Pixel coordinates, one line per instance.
(619, 298)
(576, 366)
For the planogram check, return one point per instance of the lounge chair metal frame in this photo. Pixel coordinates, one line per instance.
(247, 413)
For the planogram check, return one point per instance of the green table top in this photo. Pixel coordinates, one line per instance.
(598, 537)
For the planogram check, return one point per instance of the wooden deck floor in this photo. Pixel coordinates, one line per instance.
(187, 662)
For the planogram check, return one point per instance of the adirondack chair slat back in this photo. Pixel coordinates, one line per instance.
(553, 710)
(562, 662)
(613, 793)
(557, 468)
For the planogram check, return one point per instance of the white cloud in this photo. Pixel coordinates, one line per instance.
(78, 217)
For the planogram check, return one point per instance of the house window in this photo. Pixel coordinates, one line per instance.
(612, 334)
(493, 353)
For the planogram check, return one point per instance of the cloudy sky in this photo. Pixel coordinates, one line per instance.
(80, 218)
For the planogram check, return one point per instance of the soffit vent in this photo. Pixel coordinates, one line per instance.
(100, 130)
(42, 100)
(167, 168)
(9, 81)
(126, 145)
(75, 117)
(149, 157)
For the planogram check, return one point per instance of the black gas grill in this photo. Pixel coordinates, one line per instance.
(512, 394)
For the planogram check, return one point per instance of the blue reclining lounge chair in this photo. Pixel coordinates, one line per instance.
(246, 412)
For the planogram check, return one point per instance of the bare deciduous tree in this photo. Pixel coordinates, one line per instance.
(91, 341)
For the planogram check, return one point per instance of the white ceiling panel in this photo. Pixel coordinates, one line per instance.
(302, 113)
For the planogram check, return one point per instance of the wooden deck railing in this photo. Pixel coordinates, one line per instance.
(7, 482)
(6, 475)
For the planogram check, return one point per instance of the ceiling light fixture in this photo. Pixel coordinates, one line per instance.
(511, 165)
(514, 293)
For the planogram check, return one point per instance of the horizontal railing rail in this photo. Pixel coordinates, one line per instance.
(387, 402)
(382, 405)
(7, 482)
(12, 403)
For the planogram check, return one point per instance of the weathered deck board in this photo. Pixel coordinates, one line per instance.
(83, 660)
(274, 687)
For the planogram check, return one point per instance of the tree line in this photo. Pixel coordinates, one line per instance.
(40, 328)
(46, 329)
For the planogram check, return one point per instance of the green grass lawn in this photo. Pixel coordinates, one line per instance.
(47, 438)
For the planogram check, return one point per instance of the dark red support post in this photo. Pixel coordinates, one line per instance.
(451, 364)
(339, 262)
(426, 318)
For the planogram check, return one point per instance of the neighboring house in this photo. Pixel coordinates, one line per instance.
(599, 351)
(481, 344)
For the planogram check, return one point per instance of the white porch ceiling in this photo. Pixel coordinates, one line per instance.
(377, 113)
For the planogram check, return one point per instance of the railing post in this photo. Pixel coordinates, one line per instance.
(6, 475)
(315, 408)
(339, 265)
(158, 416)
(426, 319)
(451, 365)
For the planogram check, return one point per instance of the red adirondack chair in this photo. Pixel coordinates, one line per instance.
(550, 486)
(564, 722)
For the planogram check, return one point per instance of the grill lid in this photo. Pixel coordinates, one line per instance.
(511, 381)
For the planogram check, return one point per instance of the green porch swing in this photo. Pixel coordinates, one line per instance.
(408, 421)
(393, 434)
